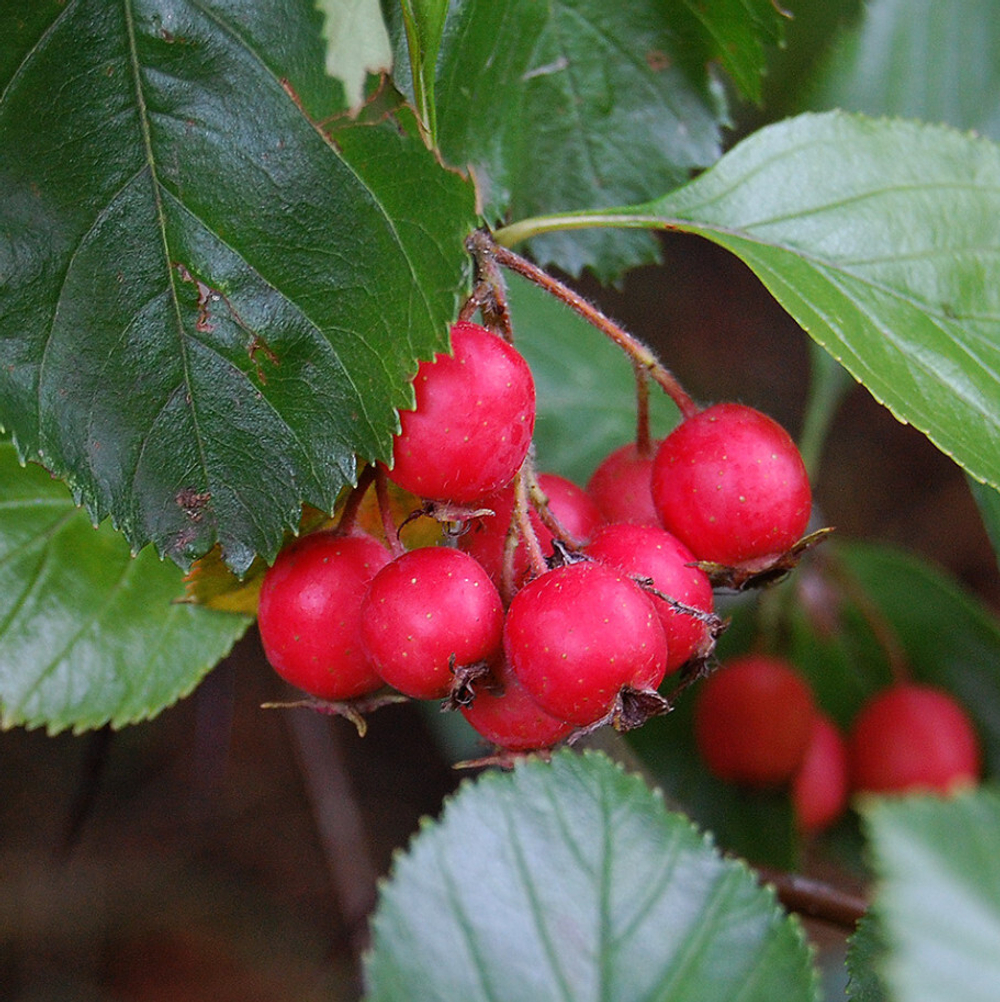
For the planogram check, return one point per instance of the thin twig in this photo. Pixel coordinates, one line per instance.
(385, 512)
(643, 438)
(483, 247)
(338, 820)
(815, 898)
(349, 512)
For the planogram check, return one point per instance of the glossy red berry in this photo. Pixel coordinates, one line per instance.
(309, 614)
(730, 483)
(486, 537)
(428, 611)
(753, 720)
(577, 634)
(647, 551)
(504, 714)
(913, 737)
(821, 786)
(622, 486)
(473, 421)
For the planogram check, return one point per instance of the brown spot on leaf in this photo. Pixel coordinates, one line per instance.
(192, 502)
(657, 60)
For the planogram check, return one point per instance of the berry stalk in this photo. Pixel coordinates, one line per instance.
(486, 250)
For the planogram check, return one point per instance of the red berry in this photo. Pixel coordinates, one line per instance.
(486, 537)
(309, 613)
(429, 610)
(508, 717)
(577, 634)
(913, 737)
(730, 483)
(650, 552)
(753, 720)
(821, 787)
(474, 417)
(622, 485)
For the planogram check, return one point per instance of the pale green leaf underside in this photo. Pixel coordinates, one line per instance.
(89, 634)
(938, 900)
(357, 43)
(882, 239)
(570, 881)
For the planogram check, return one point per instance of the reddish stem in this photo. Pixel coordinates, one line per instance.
(816, 898)
(385, 512)
(521, 532)
(643, 439)
(483, 248)
(349, 512)
(883, 630)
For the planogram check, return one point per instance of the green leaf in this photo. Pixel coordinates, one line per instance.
(740, 30)
(90, 634)
(865, 954)
(754, 824)
(938, 900)
(570, 880)
(880, 238)
(423, 24)
(577, 103)
(207, 307)
(937, 60)
(835, 637)
(584, 384)
(988, 501)
(357, 43)
(947, 636)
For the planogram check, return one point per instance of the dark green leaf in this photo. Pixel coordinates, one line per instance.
(947, 636)
(988, 500)
(740, 30)
(575, 104)
(757, 825)
(208, 308)
(937, 60)
(585, 385)
(90, 634)
(570, 881)
(842, 606)
(938, 902)
(865, 955)
(423, 26)
(881, 238)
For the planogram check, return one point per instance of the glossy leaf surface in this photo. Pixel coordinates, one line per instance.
(208, 307)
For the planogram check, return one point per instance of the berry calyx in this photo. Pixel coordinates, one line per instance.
(576, 635)
(505, 714)
(645, 551)
(309, 613)
(730, 483)
(913, 737)
(473, 421)
(821, 786)
(622, 486)
(753, 721)
(426, 613)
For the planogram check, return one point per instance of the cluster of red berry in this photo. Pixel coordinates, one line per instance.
(757, 724)
(557, 608)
